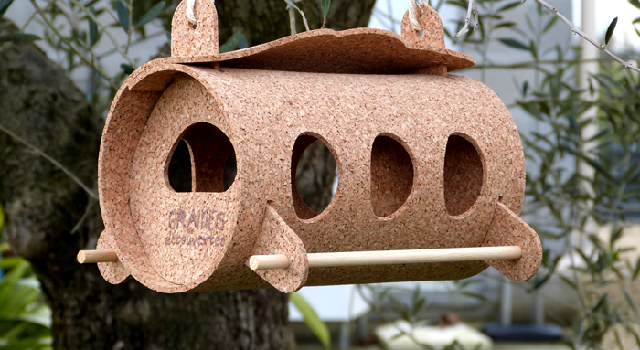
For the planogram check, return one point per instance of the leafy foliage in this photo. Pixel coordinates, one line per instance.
(25, 319)
(4, 5)
(311, 318)
(236, 41)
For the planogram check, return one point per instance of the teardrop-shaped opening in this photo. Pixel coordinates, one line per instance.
(314, 177)
(391, 175)
(203, 161)
(179, 172)
(463, 175)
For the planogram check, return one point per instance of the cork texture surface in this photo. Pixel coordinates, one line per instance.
(112, 272)
(508, 230)
(430, 119)
(278, 238)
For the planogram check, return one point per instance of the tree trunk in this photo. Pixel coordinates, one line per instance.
(49, 144)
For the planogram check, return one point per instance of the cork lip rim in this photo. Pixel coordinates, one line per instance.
(137, 81)
(170, 154)
(407, 202)
(339, 187)
(479, 199)
(446, 56)
(231, 193)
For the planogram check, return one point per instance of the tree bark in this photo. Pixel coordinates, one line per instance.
(49, 145)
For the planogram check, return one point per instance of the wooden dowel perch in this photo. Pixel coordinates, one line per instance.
(389, 257)
(96, 256)
(362, 258)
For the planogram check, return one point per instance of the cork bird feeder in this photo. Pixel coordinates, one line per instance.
(430, 166)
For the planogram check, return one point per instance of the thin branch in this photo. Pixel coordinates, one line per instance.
(554, 11)
(133, 43)
(470, 9)
(85, 215)
(290, 4)
(37, 151)
(114, 41)
(71, 47)
(292, 20)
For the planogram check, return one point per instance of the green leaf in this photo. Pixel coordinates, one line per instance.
(18, 37)
(127, 68)
(509, 6)
(151, 14)
(636, 271)
(476, 296)
(94, 33)
(550, 24)
(525, 88)
(609, 33)
(514, 43)
(1, 219)
(506, 25)
(4, 5)
(123, 14)
(629, 299)
(237, 40)
(311, 319)
(325, 7)
(10, 263)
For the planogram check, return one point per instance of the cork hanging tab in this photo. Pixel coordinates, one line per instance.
(199, 39)
(432, 34)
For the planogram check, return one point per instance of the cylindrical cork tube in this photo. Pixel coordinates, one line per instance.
(422, 162)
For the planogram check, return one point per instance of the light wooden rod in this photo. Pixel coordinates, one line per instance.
(96, 256)
(389, 257)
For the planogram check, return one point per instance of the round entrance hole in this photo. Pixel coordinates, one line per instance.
(391, 175)
(314, 177)
(463, 175)
(203, 161)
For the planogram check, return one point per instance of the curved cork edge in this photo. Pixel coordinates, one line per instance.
(508, 230)
(112, 272)
(278, 238)
(357, 50)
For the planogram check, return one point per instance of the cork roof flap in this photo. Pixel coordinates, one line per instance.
(358, 50)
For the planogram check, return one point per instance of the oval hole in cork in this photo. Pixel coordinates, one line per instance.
(314, 178)
(203, 161)
(463, 174)
(391, 175)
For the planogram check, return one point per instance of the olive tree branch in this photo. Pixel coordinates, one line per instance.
(292, 21)
(81, 55)
(554, 11)
(105, 30)
(51, 160)
(470, 9)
